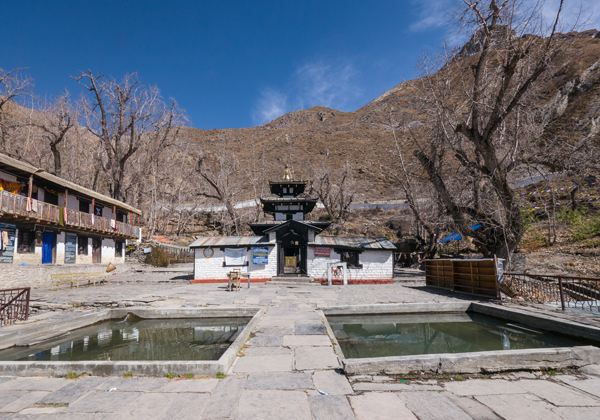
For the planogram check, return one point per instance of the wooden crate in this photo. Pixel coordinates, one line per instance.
(476, 277)
(438, 273)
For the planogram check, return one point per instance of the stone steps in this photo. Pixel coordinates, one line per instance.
(294, 281)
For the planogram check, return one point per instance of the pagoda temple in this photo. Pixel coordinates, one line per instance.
(291, 248)
(292, 232)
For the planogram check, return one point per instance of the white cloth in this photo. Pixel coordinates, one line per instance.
(3, 240)
(34, 205)
(235, 256)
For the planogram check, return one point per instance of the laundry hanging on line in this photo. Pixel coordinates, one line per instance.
(11, 187)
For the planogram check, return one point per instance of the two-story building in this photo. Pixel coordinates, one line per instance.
(47, 220)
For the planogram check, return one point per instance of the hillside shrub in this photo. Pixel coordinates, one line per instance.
(582, 225)
(533, 239)
(158, 257)
(529, 219)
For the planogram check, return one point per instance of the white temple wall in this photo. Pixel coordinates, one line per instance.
(212, 268)
(375, 265)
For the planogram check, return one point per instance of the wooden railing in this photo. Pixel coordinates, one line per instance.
(16, 205)
(581, 293)
(14, 305)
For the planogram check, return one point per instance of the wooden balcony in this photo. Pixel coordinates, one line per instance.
(16, 206)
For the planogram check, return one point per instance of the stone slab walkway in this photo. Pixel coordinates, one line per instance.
(288, 370)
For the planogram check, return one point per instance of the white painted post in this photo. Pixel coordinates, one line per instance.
(344, 265)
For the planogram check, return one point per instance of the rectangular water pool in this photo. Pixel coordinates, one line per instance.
(369, 336)
(134, 339)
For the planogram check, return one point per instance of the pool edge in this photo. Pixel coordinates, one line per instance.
(141, 368)
(474, 362)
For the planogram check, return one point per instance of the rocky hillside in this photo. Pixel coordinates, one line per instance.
(305, 138)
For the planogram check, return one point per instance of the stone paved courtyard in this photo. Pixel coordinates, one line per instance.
(284, 365)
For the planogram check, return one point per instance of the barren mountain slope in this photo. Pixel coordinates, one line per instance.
(304, 138)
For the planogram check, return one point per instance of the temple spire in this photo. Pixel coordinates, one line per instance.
(288, 173)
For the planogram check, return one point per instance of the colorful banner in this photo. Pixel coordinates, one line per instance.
(322, 251)
(589, 200)
(11, 187)
(589, 184)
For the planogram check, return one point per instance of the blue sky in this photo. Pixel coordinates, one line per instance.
(229, 64)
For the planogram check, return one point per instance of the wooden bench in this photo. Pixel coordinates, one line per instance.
(76, 278)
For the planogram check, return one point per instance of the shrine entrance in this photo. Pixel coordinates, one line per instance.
(292, 239)
(291, 260)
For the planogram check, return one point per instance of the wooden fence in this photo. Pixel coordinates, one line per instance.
(476, 277)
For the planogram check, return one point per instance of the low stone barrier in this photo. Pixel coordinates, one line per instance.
(38, 276)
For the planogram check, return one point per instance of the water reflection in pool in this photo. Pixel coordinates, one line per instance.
(410, 334)
(164, 339)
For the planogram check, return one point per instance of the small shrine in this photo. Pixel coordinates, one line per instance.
(291, 248)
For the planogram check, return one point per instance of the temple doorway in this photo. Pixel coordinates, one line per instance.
(291, 254)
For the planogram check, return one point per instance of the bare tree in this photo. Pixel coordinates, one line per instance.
(334, 190)
(13, 85)
(427, 212)
(218, 173)
(479, 104)
(56, 121)
(124, 117)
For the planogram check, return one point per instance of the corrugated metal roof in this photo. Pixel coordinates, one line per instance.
(40, 173)
(222, 241)
(358, 242)
(288, 200)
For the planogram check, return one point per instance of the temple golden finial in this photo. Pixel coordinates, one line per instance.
(288, 173)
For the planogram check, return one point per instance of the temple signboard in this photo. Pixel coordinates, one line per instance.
(321, 251)
(260, 255)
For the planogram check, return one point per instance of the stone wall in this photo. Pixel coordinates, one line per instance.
(375, 265)
(38, 276)
(212, 268)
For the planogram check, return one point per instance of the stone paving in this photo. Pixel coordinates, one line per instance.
(288, 370)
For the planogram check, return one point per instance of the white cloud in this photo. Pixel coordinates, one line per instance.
(332, 84)
(586, 13)
(433, 14)
(326, 84)
(270, 105)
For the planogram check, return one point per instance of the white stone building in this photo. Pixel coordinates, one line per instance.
(292, 248)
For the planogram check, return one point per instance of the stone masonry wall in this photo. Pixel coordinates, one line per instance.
(376, 265)
(38, 276)
(212, 268)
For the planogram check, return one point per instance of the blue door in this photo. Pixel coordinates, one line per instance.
(47, 245)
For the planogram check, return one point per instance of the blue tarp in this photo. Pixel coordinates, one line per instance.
(456, 236)
(451, 237)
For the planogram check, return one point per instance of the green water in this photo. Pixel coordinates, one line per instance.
(409, 334)
(149, 339)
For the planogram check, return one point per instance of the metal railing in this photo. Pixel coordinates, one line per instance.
(17, 205)
(14, 305)
(568, 291)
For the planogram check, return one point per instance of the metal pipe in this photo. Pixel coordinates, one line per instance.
(562, 295)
